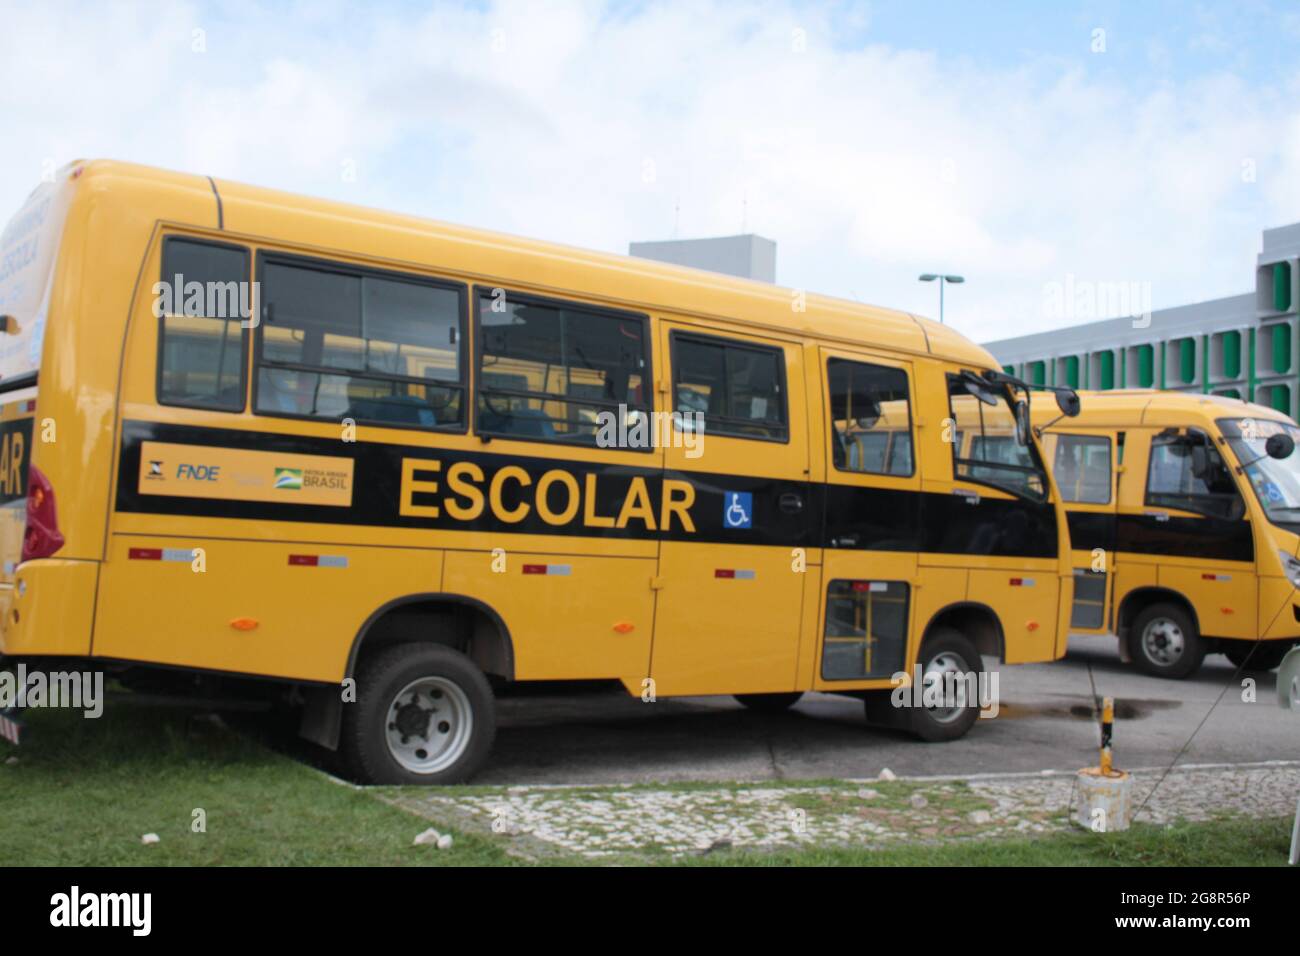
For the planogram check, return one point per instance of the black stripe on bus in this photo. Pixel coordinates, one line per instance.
(221, 212)
(15, 451)
(1217, 539)
(881, 519)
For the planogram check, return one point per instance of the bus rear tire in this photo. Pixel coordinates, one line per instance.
(769, 703)
(424, 714)
(1256, 655)
(1163, 642)
(946, 651)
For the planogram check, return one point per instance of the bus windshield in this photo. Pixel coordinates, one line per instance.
(1276, 483)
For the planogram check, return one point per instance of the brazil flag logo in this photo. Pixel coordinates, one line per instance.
(288, 478)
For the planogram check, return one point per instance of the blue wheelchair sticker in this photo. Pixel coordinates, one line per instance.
(737, 509)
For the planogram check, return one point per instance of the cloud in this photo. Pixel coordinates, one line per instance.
(597, 124)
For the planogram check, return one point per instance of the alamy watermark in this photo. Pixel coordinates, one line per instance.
(947, 690)
(633, 428)
(1081, 300)
(211, 300)
(73, 690)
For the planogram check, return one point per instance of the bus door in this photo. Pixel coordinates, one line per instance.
(1189, 531)
(872, 513)
(988, 511)
(729, 600)
(1083, 466)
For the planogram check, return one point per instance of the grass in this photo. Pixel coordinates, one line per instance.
(1221, 843)
(83, 792)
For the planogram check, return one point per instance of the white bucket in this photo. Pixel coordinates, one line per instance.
(1105, 803)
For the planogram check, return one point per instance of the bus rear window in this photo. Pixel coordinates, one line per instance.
(202, 344)
(29, 248)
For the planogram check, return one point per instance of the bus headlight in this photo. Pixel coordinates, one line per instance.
(1291, 568)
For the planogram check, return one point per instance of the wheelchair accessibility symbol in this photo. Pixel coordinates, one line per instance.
(738, 509)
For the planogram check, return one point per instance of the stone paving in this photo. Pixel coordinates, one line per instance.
(614, 821)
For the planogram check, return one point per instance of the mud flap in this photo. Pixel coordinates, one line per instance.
(11, 725)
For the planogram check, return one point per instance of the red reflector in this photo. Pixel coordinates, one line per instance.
(862, 585)
(534, 569)
(41, 537)
(145, 554)
(31, 405)
(1017, 582)
(1209, 577)
(307, 560)
(724, 573)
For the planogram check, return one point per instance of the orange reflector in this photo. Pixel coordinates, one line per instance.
(1031, 625)
(1226, 610)
(623, 627)
(244, 623)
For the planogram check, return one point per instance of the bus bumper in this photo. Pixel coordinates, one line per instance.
(49, 609)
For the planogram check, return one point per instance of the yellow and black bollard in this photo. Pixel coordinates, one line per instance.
(1107, 723)
(1105, 794)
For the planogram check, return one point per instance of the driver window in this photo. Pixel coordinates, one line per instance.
(1189, 474)
(993, 455)
(871, 424)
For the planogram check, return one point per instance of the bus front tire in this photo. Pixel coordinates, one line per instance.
(946, 651)
(1163, 642)
(769, 703)
(424, 714)
(1256, 655)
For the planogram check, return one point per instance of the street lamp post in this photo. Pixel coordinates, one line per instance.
(943, 279)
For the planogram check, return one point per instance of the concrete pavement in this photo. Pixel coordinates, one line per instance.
(1045, 723)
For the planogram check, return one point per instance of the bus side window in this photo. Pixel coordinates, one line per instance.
(1082, 469)
(738, 387)
(1187, 473)
(340, 342)
(201, 345)
(557, 371)
(871, 425)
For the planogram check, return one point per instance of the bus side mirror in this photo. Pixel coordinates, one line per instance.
(1068, 402)
(1279, 446)
(1200, 462)
(869, 416)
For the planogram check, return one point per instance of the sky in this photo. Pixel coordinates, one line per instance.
(1024, 145)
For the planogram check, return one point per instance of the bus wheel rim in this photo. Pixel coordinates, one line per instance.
(935, 670)
(428, 725)
(1163, 641)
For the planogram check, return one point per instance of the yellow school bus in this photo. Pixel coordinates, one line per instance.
(387, 466)
(1184, 516)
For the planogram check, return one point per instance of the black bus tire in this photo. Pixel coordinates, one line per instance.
(949, 650)
(1163, 641)
(424, 714)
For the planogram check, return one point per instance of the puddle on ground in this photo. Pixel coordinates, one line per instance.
(1125, 709)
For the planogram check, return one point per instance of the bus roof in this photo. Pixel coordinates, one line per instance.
(1130, 406)
(333, 228)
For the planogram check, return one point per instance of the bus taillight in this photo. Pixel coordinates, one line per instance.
(42, 537)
